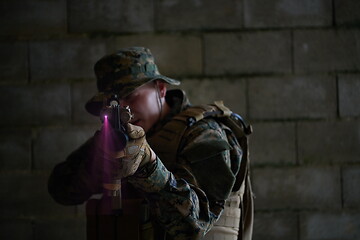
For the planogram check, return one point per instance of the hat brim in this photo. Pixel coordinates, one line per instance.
(95, 104)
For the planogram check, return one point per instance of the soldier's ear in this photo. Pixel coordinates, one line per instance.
(161, 86)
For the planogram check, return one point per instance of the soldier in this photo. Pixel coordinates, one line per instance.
(188, 179)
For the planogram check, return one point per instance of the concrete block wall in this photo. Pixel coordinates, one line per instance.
(290, 67)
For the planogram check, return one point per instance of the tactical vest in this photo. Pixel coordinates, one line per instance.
(236, 221)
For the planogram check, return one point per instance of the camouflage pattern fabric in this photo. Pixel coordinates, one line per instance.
(122, 72)
(183, 195)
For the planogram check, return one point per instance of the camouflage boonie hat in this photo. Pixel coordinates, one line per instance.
(121, 73)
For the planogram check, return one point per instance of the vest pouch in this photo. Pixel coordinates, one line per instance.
(227, 227)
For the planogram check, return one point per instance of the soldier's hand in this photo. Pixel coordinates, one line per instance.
(136, 153)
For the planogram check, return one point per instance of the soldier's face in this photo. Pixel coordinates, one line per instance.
(144, 104)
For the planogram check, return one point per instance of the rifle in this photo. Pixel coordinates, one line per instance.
(114, 118)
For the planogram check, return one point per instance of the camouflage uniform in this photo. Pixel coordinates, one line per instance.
(186, 195)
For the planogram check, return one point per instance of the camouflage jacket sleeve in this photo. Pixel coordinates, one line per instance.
(76, 179)
(187, 197)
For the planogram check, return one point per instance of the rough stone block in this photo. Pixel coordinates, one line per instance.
(15, 150)
(81, 93)
(16, 229)
(13, 62)
(204, 91)
(273, 144)
(53, 145)
(188, 15)
(25, 195)
(292, 97)
(31, 17)
(60, 229)
(175, 55)
(110, 16)
(275, 226)
(329, 142)
(35, 104)
(349, 95)
(297, 188)
(351, 183)
(64, 59)
(347, 12)
(330, 225)
(247, 53)
(287, 13)
(326, 50)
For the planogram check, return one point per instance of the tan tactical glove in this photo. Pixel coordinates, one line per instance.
(136, 153)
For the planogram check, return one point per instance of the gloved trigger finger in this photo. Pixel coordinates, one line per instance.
(134, 131)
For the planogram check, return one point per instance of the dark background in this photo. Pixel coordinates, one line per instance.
(290, 67)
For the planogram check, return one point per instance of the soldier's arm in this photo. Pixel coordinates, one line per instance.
(76, 179)
(189, 199)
